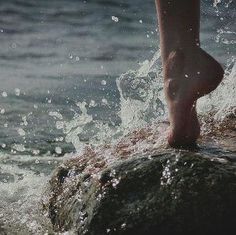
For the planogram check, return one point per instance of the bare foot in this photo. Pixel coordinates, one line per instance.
(188, 75)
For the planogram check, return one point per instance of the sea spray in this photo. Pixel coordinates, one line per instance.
(141, 93)
(142, 103)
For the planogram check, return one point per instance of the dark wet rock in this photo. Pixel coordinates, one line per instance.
(169, 193)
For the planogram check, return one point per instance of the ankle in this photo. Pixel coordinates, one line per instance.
(185, 50)
(174, 64)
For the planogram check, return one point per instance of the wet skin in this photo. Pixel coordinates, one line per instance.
(187, 78)
(189, 72)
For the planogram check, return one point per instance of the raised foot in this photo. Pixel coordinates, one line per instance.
(188, 75)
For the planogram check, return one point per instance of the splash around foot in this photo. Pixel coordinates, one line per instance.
(188, 75)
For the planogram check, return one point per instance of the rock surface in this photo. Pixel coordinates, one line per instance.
(172, 192)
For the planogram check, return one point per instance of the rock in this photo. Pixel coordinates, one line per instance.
(172, 192)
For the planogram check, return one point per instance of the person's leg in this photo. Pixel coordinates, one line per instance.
(189, 72)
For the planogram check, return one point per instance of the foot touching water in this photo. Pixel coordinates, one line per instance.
(188, 75)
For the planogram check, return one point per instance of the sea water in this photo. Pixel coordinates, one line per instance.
(78, 74)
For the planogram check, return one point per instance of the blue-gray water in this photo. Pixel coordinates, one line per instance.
(54, 54)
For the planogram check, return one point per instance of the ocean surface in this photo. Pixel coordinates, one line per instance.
(78, 73)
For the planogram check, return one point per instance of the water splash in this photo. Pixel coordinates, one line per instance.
(141, 94)
(20, 184)
(142, 103)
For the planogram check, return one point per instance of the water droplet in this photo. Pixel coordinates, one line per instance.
(4, 94)
(17, 91)
(21, 132)
(103, 82)
(92, 103)
(59, 125)
(24, 119)
(115, 19)
(58, 150)
(123, 225)
(35, 151)
(104, 101)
